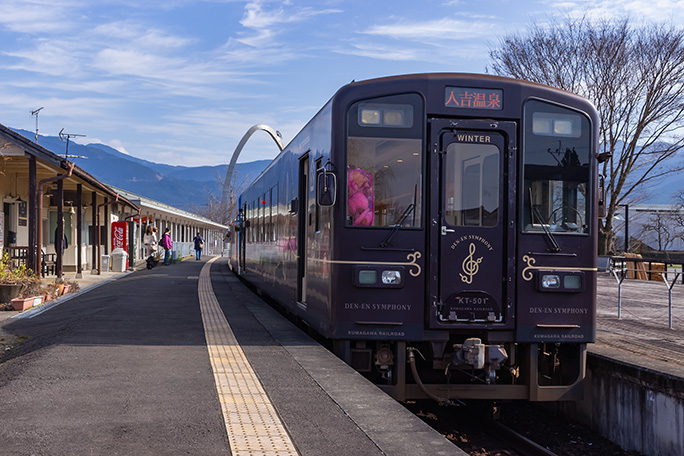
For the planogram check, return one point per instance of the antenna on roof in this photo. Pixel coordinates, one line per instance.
(35, 113)
(62, 135)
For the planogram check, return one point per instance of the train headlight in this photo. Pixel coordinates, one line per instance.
(391, 277)
(572, 282)
(368, 277)
(370, 117)
(385, 115)
(550, 124)
(561, 281)
(378, 276)
(550, 281)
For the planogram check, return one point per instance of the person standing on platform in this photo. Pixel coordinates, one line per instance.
(199, 245)
(150, 241)
(167, 244)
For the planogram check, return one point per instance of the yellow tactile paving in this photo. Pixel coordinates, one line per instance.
(253, 425)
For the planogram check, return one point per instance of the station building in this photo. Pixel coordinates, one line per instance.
(57, 218)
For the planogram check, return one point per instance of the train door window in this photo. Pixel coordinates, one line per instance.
(250, 219)
(472, 184)
(319, 170)
(252, 222)
(556, 148)
(385, 162)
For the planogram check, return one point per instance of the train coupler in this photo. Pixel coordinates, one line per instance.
(473, 353)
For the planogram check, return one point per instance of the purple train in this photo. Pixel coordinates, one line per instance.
(440, 231)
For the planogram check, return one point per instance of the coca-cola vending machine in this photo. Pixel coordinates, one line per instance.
(120, 237)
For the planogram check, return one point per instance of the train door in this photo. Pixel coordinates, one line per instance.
(473, 207)
(242, 239)
(302, 229)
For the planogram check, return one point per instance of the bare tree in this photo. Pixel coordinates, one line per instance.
(678, 215)
(635, 78)
(661, 229)
(216, 209)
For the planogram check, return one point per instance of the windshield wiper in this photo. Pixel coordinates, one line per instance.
(552, 240)
(403, 217)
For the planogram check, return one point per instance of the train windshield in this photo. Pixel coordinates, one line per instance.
(385, 162)
(557, 143)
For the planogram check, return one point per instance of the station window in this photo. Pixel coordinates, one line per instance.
(53, 227)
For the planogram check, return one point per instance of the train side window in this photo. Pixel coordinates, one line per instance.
(264, 217)
(385, 162)
(274, 213)
(556, 151)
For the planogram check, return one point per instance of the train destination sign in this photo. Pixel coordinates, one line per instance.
(471, 98)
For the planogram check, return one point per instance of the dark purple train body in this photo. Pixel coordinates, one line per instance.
(453, 215)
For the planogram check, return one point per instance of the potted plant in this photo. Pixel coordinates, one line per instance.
(22, 304)
(16, 282)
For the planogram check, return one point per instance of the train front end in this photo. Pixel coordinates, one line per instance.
(465, 266)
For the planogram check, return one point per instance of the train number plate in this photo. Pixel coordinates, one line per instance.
(471, 306)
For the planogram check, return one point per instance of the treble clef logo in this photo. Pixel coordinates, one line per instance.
(470, 266)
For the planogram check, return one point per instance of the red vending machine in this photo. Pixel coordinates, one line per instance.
(120, 237)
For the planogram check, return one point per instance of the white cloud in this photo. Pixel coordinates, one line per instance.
(424, 41)
(118, 145)
(381, 52)
(51, 57)
(430, 31)
(142, 36)
(268, 24)
(36, 17)
(657, 11)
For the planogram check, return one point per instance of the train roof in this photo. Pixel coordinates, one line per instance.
(463, 78)
(402, 82)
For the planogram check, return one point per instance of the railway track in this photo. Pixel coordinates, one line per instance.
(524, 429)
(518, 442)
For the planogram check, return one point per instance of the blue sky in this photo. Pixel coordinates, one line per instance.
(180, 82)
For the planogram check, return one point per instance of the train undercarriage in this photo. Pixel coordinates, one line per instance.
(470, 369)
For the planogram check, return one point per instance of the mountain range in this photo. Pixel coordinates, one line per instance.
(187, 187)
(184, 187)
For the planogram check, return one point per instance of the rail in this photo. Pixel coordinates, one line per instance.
(636, 267)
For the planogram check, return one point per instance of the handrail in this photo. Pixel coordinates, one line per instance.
(620, 272)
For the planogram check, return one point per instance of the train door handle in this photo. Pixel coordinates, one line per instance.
(446, 230)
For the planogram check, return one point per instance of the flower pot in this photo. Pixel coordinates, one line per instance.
(22, 304)
(9, 291)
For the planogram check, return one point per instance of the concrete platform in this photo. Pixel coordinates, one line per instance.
(641, 336)
(127, 368)
(635, 394)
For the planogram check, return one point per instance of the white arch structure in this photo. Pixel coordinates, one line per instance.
(231, 167)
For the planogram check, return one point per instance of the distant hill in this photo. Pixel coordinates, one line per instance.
(184, 187)
(178, 186)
